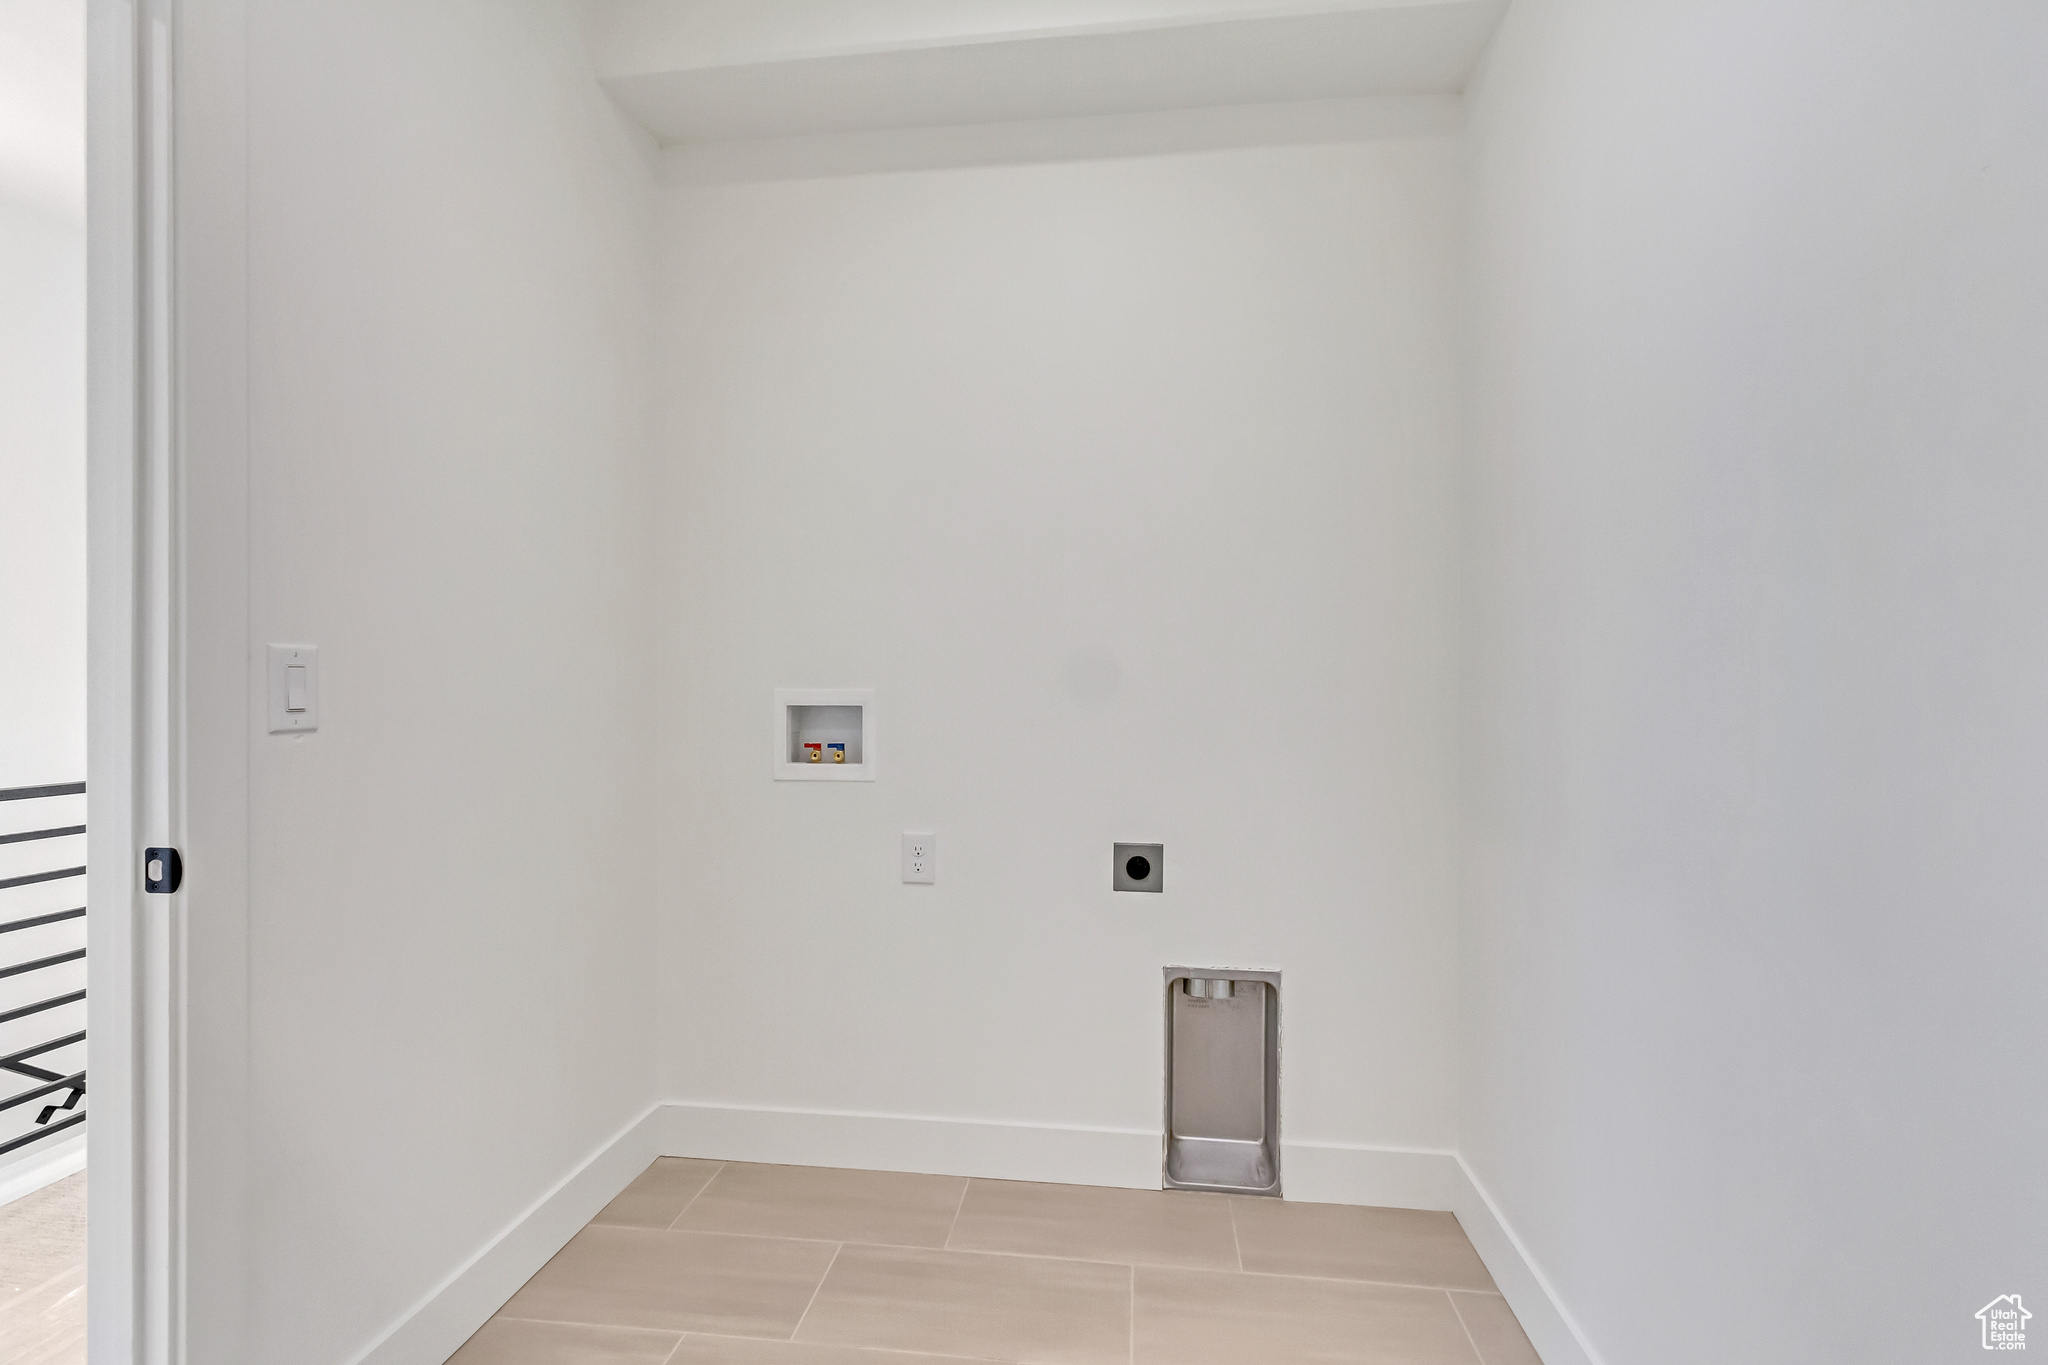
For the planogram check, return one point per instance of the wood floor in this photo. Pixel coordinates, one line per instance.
(42, 1275)
(709, 1263)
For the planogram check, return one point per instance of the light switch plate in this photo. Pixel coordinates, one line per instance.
(294, 696)
(920, 858)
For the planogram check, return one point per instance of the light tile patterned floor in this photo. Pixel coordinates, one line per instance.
(709, 1263)
(42, 1276)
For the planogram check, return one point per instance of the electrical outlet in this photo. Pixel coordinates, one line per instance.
(920, 858)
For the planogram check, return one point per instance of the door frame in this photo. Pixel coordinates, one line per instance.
(168, 677)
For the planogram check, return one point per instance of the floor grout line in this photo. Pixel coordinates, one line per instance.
(832, 1346)
(1347, 1279)
(1234, 1242)
(1456, 1312)
(1013, 1255)
(698, 1195)
(815, 1292)
(1154, 1265)
(965, 1186)
(502, 1316)
(1133, 1323)
(1075, 1260)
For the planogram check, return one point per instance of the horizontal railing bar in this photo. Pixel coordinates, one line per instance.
(41, 834)
(33, 920)
(40, 1048)
(18, 968)
(26, 1138)
(75, 1081)
(30, 793)
(26, 1010)
(16, 1062)
(35, 877)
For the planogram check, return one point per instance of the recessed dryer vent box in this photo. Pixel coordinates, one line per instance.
(1222, 1080)
(1138, 867)
(824, 734)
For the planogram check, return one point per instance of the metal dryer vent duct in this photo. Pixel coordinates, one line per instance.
(1222, 1080)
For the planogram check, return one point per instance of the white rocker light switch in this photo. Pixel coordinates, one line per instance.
(294, 689)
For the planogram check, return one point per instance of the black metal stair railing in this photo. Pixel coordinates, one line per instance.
(50, 1084)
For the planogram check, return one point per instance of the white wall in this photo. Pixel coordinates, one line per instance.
(1128, 485)
(42, 508)
(1759, 771)
(42, 522)
(450, 994)
(42, 106)
(42, 392)
(42, 628)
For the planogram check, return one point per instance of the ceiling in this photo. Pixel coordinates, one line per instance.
(708, 71)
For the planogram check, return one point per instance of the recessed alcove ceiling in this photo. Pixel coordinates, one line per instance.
(706, 71)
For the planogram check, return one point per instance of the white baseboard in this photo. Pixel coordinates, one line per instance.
(46, 1167)
(451, 1313)
(1128, 1158)
(1382, 1177)
(1549, 1324)
(890, 1142)
(1311, 1172)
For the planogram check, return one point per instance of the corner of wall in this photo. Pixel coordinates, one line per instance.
(39, 1169)
(451, 1312)
(1546, 1321)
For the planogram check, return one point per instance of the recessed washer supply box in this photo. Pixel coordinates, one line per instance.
(825, 722)
(1222, 1080)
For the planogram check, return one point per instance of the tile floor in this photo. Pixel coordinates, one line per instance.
(42, 1276)
(710, 1263)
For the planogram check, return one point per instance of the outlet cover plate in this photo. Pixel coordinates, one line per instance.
(920, 859)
